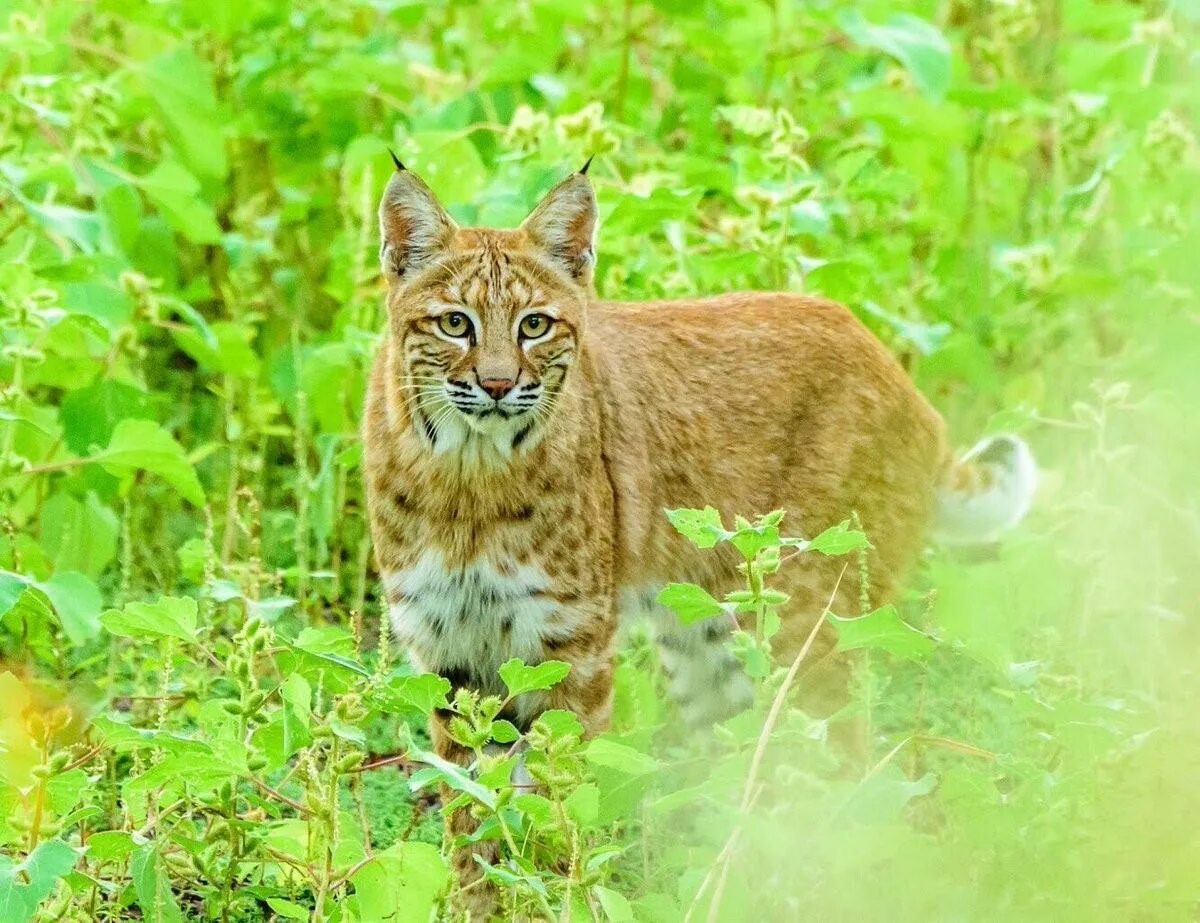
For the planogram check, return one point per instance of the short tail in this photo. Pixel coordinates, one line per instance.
(986, 492)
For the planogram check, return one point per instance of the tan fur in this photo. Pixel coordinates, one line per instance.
(748, 402)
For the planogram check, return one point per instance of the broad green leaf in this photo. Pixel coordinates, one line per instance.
(282, 736)
(750, 540)
(176, 194)
(881, 797)
(297, 695)
(560, 723)
(917, 44)
(89, 415)
(288, 909)
(749, 120)
(613, 755)
(401, 884)
(689, 602)
(452, 775)
(123, 737)
(702, 528)
(331, 645)
(504, 732)
(77, 603)
(421, 693)
(198, 771)
(23, 886)
(110, 845)
(583, 804)
(144, 445)
(520, 677)
(182, 85)
(166, 617)
(78, 534)
(65, 223)
(839, 539)
(614, 904)
(231, 352)
(23, 598)
(153, 888)
(449, 162)
(882, 630)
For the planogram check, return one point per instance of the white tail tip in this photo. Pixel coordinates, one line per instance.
(1008, 478)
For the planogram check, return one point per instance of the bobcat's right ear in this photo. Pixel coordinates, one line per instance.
(414, 227)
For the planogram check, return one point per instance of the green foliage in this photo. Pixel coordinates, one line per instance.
(203, 714)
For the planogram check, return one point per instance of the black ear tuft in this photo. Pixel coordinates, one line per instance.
(414, 226)
(583, 170)
(400, 168)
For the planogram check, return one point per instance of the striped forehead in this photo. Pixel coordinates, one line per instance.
(491, 278)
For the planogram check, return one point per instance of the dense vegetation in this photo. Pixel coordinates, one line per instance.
(200, 712)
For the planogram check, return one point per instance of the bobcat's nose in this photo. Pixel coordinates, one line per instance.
(497, 387)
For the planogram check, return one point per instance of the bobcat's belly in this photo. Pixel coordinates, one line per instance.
(464, 622)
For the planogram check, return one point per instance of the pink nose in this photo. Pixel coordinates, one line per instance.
(497, 387)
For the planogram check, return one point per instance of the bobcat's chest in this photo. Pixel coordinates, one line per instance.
(465, 621)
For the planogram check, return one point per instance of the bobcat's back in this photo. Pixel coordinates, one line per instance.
(752, 402)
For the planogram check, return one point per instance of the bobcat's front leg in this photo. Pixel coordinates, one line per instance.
(473, 895)
(583, 636)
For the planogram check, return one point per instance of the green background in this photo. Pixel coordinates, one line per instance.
(1005, 192)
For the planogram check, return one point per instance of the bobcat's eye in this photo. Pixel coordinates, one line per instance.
(455, 324)
(535, 325)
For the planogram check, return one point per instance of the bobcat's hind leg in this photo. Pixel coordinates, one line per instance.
(703, 676)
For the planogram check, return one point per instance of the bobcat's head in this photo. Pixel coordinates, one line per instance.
(485, 324)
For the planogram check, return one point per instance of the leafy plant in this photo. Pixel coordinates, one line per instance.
(204, 716)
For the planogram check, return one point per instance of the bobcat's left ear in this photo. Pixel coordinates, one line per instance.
(413, 227)
(564, 226)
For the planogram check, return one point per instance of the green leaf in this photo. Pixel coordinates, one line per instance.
(616, 908)
(702, 528)
(200, 770)
(750, 540)
(882, 630)
(89, 415)
(917, 44)
(583, 804)
(167, 617)
(880, 798)
(22, 598)
(504, 732)
(77, 603)
(560, 723)
(176, 194)
(78, 535)
(839, 539)
(229, 352)
(153, 888)
(689, 602)
(749, 120)
(520, 678)
(288, 909)
(421, 693)
(123, 737)
(610, 754)
(182, 85)
(401, 884)
(452, 775)
(25, 885)
(282, 736)
(110, 844)
(144, 445)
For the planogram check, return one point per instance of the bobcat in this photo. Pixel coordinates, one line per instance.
(522, 440)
